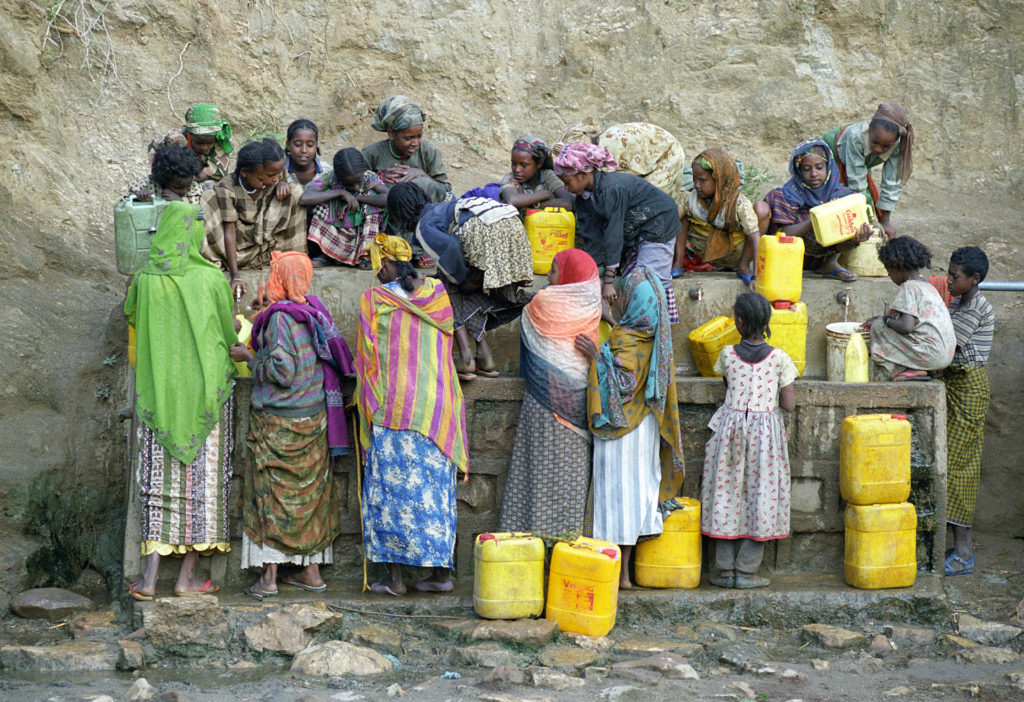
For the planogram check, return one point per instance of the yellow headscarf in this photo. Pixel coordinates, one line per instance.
(388, 248)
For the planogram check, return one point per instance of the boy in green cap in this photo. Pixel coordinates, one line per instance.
(206, 134)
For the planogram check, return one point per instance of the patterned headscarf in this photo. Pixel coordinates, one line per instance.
(799, 194)
(537, 148)
(574, 266)
(891, 112)
(722, 166)
(291, 272)
(396, 113)
(203, 119)
(388, 248)
(583, 157)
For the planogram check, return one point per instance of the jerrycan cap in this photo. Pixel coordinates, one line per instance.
(899, 416)
(487, 536)
(610, 552)
(786, 239)
(782, 304)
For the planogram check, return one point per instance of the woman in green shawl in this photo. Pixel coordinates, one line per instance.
(180, 306)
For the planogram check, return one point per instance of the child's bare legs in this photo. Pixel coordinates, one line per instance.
(624, 581)
(466, 363)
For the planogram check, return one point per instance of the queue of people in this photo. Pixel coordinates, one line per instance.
(599, 424)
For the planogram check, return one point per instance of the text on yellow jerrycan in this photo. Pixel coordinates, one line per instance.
(874, 458)
(780, 268)
(881, 546)
(550, 230)
(508, 576)
(583, 586)
(673, 558)
(839, 220)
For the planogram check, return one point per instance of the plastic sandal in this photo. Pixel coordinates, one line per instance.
(966, 567)
(678, 272)
(295, 582)
(424, 261)
(208, 588)
(745, 277)
(136, 594)
(839, 273)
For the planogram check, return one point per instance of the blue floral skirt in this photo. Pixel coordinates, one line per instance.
(408, 500)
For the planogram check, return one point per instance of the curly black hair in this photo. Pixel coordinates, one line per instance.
(905, 254)
(972, 261)
(755, 312)
(172, 162)
(405, 204)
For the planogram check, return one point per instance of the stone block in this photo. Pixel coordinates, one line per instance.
(817, 431)
(378, 636)
(92, 624)
(572, 658)
(478, 493)
(289, 629)
(984, 632)
(487, 655)
(338, 658)
(130, 655)
(554, 680)
(51, 603)
(668, 664)
(75, 656)
(504, 675)
(833, 636)
(911, 635)
(492, 427)
(181, 621)
(524, 632)
(140, 691)
(806, 495)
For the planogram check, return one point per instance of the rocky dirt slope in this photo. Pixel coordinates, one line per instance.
(84, 84)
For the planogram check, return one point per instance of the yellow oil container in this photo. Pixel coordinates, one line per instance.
(839, 220)
(707, 342)
(673, 558)
(881, 546)
(780, 266)
(583, 586)
(862, 260)
(874, 459)
(789, 331)
(508, 576)
(132, 354)
(551, 230)
(244, 337)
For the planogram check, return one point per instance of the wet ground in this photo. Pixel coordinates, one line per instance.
(732, 660)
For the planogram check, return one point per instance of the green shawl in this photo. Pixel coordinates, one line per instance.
(180, 306)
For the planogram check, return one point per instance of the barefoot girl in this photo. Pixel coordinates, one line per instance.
(532, 183)
(745, 491)
(348, 210)
(914, 336)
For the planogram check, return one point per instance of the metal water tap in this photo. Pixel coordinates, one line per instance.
(843, 297)
(697, 292)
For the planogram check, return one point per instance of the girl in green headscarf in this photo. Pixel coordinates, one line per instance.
(180, 306)
(207, 135)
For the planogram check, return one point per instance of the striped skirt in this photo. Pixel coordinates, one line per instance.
(627, 475)
(967, 397)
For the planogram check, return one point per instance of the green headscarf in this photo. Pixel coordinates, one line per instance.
(180, 306)
(203, 119)
(396, 113)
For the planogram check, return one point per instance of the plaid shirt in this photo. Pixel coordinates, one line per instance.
(262, 225)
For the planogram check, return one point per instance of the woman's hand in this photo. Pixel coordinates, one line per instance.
(283, 190)
(585, 345)
(239, 353)
(411, 172)
(609, 293)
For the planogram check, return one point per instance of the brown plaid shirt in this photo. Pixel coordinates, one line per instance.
(261, 225)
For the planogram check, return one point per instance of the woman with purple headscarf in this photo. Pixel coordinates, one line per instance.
(622, 221)
(814, 181)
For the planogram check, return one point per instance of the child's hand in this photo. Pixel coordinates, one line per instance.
(864, 234)
(350, 201)
(283, 190)
(239, 353)
(585, 345)
(866, 327)
(143, 195)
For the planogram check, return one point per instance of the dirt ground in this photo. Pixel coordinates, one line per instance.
(732, 662)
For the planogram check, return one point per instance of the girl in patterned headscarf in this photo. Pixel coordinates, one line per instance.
(532, 182)
(814, 181)
(205, 133)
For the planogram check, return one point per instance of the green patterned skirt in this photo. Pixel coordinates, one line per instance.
(967, 397)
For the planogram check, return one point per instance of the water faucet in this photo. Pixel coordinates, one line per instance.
(697, 292)
(843, 298)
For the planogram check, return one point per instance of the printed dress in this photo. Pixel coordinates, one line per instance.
(931, 344)
(745, 492)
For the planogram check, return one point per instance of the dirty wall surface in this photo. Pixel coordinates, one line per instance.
(85, 85)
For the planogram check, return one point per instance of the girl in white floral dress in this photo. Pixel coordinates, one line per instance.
(745, 491)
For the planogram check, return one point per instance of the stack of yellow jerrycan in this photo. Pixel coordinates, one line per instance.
(508, 576)
(839, 220)
(583, 586)
(673, 558)
(550, 230)
(707, 342)
(779, 277)
(874, 479)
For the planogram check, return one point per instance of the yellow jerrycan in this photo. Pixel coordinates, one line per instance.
(707, 342)
(583, 586)
(780, 266)
(874, 458)
(550, 230)
(789, 331)
(508, 576)
(244, 337)
(839, 220)
(881, 546)
(132, 353)
(856, 360)
(673, 558)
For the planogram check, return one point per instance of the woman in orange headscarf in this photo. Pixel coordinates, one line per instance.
(290, 507)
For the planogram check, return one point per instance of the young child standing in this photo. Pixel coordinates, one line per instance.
(914, 335)
(967, 397)
(745, 493)
(348, 210)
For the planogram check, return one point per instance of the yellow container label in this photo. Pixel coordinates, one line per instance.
(508, 576)
(780, 266)
(673, 558)
(707, 342)
(881, 546)
(839, 220)
(874, 459)
(583, 586)
(789, 333)
(550, 230)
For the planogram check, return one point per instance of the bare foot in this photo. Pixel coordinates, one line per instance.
(387, 588)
